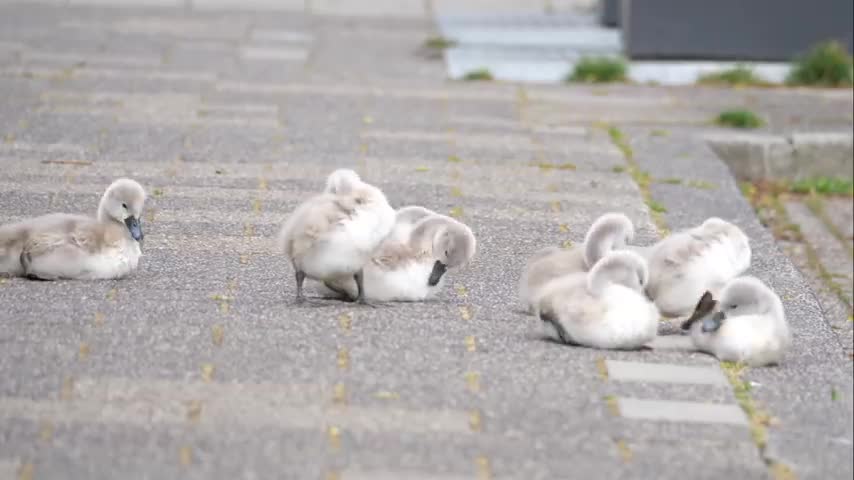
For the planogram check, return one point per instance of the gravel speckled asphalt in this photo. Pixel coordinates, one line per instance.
(199, 366)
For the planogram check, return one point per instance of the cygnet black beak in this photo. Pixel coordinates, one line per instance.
(713, 322)
(135, 228)
(439, 269)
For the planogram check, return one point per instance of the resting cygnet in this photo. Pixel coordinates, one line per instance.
(63, 246)
(684, 265)
(414, 270)
(335, 233)
(611, 231)
(747, 324)
(604, 308)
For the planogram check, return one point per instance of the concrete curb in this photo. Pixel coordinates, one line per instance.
(791, 157)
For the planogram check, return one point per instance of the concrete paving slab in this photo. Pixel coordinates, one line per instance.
(664, 373)
(681, 411)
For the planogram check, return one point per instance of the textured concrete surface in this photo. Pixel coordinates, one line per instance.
(756, 157)
(199, 366)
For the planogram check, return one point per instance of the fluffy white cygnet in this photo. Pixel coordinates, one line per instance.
(686, 264)
(334, 234)
(604, 308)
(414, 270)
(63, 246)
(609, 232)
(746, 324)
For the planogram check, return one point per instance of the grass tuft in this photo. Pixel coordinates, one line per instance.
(826, 65)
(598, 70)
(734, 77)
(481, 74)
(556, 166)
(739, 119)
(439, 43)
(825, 185)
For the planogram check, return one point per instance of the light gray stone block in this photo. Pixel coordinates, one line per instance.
(693, 412)
(664, 373)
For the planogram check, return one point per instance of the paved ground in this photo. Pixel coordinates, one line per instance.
(199, 367)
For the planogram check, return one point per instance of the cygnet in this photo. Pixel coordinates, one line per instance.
(686, 264)
(65, 246)
(611, 231)
(334, 234)
(414, 270)
(604, 308)
(747, 325)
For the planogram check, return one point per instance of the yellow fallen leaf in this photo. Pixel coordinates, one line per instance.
(454, 159)
(471, 344)
(457, 212)
(334, 437)
(343, 359)
(465, 313)
(339, 394)
(217, 335)
(67, 391)
(345, 321)
(563, 228)
(368, 120)
(473, 381)
(625, 452)
(194, 411)
(262, 183)
(46, 431)
(83, 351)
(26, 471)
(185, 456)
(422, 169)
(384, 395)
(474, 420)
(484, 471)
(456, 192)
(208, 372)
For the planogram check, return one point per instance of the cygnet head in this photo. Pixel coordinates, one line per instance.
(612, 231)
(621, 267)
(453, 244)
(123, 202)
(748, 296)
(347, 184)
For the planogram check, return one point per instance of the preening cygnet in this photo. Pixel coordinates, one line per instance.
(611, 231)
(63, 246)
(747, 324)
(604, 308)
(414, 270)
(335, 233)
(686, 264)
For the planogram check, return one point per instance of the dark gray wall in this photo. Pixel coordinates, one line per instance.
(732, 29)
(609, 12)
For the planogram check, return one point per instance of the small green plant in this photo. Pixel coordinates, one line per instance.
(826, 65)
(656, 207)
(556, 166)
(618, 169)
(825, 185)
(739, 119)
(736, 76)
(439, 43)
(598, 70)
(481, 74)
